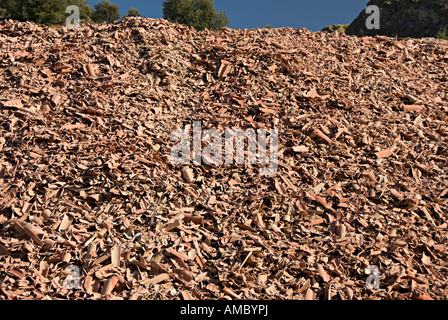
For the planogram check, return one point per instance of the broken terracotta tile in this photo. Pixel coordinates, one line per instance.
(86, 178)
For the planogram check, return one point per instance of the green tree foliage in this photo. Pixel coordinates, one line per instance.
(132, 12)
(106, 12)
(443, 34)
(11, 9)
(85, 11)
(48, 12)
(200, 14)
(3, 13)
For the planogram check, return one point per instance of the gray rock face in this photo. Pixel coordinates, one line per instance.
(404, 18)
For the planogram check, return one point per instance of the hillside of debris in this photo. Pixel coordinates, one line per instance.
(86, 181)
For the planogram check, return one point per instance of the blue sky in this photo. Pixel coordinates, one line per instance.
(310, 14)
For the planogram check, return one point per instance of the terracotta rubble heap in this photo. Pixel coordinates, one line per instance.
(87, 184)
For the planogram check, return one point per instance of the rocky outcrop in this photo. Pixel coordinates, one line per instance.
(404, 18)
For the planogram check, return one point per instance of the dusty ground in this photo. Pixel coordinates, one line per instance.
(87, 184)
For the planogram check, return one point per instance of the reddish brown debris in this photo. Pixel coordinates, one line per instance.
(86, 180)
